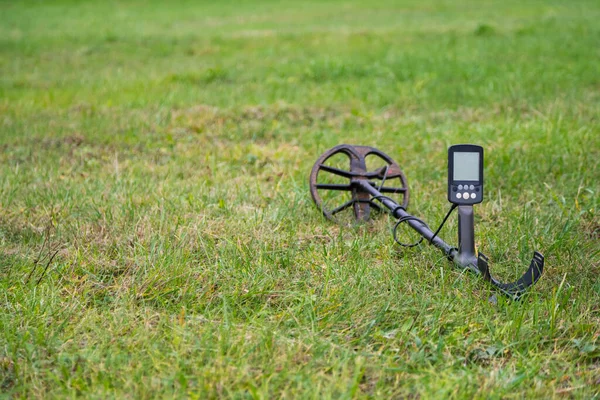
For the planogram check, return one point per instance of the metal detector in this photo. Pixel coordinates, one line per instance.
(349, 192)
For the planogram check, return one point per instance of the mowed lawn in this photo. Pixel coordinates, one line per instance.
(158, 239)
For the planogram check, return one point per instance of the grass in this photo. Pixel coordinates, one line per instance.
(157, 236)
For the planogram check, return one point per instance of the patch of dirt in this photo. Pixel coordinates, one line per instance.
(68, 142)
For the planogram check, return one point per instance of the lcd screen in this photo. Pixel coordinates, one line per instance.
(466, 166)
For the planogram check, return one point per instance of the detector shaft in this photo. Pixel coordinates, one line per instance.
(399, 212)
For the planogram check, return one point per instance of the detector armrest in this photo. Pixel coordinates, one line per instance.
(514, 289)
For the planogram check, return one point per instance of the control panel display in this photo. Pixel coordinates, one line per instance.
(465, 174)
(466, 166)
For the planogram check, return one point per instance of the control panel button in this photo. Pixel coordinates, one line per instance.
(459, 195)
(477, 189)
(472, 187)
(460, 187)
(454, 189)
(466, 195)
(473, 195)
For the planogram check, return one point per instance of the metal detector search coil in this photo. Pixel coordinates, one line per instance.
(361, 178)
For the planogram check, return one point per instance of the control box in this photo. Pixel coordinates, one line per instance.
(465, 174)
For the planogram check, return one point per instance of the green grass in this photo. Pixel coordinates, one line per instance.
(162, 151)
